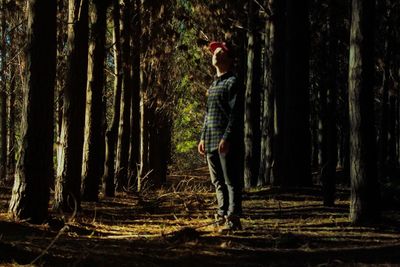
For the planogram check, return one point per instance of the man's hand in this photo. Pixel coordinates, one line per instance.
(200, 147)
(223, 147)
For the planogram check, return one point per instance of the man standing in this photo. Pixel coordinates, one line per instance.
(221, 138)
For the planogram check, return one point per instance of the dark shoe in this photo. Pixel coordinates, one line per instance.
(219, 220)
(232, 224)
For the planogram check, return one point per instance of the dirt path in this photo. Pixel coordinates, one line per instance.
(173, 227)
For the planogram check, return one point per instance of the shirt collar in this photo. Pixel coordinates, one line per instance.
(223, 76)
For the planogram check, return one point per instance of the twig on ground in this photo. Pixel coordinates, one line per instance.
(65, 228)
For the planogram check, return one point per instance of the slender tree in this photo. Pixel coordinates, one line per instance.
(144, 169)
(94, 144)
(364, 204)
(269, 83)
(134, 152)
(278, 76)
(252, 101)
(124, 120)
(30, 194)
(329, 160)
(68, 183)
(112, 132)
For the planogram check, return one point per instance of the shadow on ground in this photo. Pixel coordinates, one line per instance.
(174, 227)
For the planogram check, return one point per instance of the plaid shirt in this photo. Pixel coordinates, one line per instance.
(221, 119)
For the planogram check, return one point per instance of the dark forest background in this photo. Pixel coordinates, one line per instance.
(104, 96)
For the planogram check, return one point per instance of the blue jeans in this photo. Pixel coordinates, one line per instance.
(226, 176)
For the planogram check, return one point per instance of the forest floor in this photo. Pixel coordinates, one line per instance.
(174, 227)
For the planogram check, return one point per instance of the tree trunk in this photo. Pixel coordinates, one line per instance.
(134, 152)
(159, 147)
(124, 120)
(3, 95)
(60, 77)
(296, 131)
(364, 207)
(328, 171)
(386, 131)
(30, 194)
(144, 141)
(93, 153)
(68, 183)
(252, 102)
(278, 73)
(266, 154)
(112, 132)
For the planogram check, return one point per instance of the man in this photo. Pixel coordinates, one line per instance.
(221, 136)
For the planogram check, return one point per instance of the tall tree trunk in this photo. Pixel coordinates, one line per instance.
(3, 95)
(364, 204)
(134, 152)
(60, 78)
(93, 152)
(124, 120)
(30, 194)
(112, 132)
(266, 154)
(385, 162)
(12, 144)
(252, 102)
(384, 120)
(68, 183)
(328, 171)
(144, 139)
(296, 131)
(278, 73)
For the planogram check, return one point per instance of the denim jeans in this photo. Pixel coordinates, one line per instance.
(226, 176)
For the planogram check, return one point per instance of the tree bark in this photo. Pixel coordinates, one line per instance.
(266, 154)
(30, 194)
(94, 144)
(279, 104)
(296, 130)
(3, 95)
(112, 132)
(252, 102)
(328, 170)
(144, 141)
(364, 204)
(60, 77)
(68, 182)
(124, 120)
(134, 152)
(12, 144)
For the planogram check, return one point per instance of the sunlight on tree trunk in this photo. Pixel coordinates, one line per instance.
(364, 204)
(30, 195)
(68, 182)
(94, 145)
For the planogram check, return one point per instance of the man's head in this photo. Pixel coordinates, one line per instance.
(222, 54)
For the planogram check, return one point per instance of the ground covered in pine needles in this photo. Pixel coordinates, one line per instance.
(174, 227)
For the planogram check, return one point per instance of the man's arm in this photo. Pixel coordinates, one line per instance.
(200, 146)
(234, 105)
